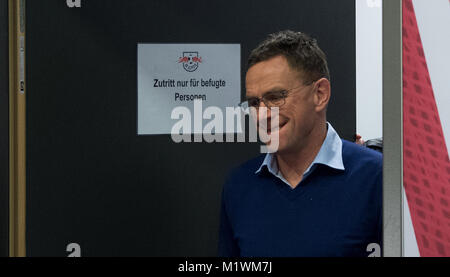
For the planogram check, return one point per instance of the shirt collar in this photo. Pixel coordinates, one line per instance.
(330, 154)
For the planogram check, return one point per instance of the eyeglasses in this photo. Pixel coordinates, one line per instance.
(270, 99)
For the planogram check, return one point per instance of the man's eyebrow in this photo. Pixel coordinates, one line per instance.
(274, 89)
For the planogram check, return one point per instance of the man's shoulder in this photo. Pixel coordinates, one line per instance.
(247, 167)
(357, 155)
(243, 175)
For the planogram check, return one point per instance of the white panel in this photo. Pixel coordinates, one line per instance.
(410, 248)
(433, 19)
(369, 80)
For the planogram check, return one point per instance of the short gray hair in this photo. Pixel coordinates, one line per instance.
(301, 51)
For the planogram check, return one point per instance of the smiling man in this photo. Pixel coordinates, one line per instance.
(317, 195)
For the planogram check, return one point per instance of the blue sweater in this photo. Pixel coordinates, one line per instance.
(330, 213)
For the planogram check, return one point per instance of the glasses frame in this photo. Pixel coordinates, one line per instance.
(284, 93)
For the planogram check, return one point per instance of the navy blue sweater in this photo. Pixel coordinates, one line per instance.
(330, 213)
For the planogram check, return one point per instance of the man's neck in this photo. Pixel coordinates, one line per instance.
(294, 163)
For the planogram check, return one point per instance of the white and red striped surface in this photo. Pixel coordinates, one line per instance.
(426, 131)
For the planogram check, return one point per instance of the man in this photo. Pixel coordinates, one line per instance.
(317, 195)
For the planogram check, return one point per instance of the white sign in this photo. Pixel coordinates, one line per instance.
(174, 75)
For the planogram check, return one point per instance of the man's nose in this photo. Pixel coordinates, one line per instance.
(263, 111)
(262, 104)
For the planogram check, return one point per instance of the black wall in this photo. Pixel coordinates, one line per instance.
(4, 130)
(90, 179)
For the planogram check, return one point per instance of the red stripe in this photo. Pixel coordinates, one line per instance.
(426, 162)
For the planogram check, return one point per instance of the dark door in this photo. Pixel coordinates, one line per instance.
(91, 179)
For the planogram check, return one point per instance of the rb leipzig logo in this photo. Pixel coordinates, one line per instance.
(190, 61)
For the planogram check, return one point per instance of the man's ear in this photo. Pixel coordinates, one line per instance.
(322, 94)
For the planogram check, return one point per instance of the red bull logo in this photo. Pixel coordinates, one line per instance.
(197, 59)
(190, 61)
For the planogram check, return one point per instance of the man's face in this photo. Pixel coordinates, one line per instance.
(297, 115)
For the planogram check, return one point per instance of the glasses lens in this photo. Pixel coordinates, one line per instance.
(274, 99)
(253, 102)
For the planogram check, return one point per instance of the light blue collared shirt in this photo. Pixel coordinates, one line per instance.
(330, 154)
